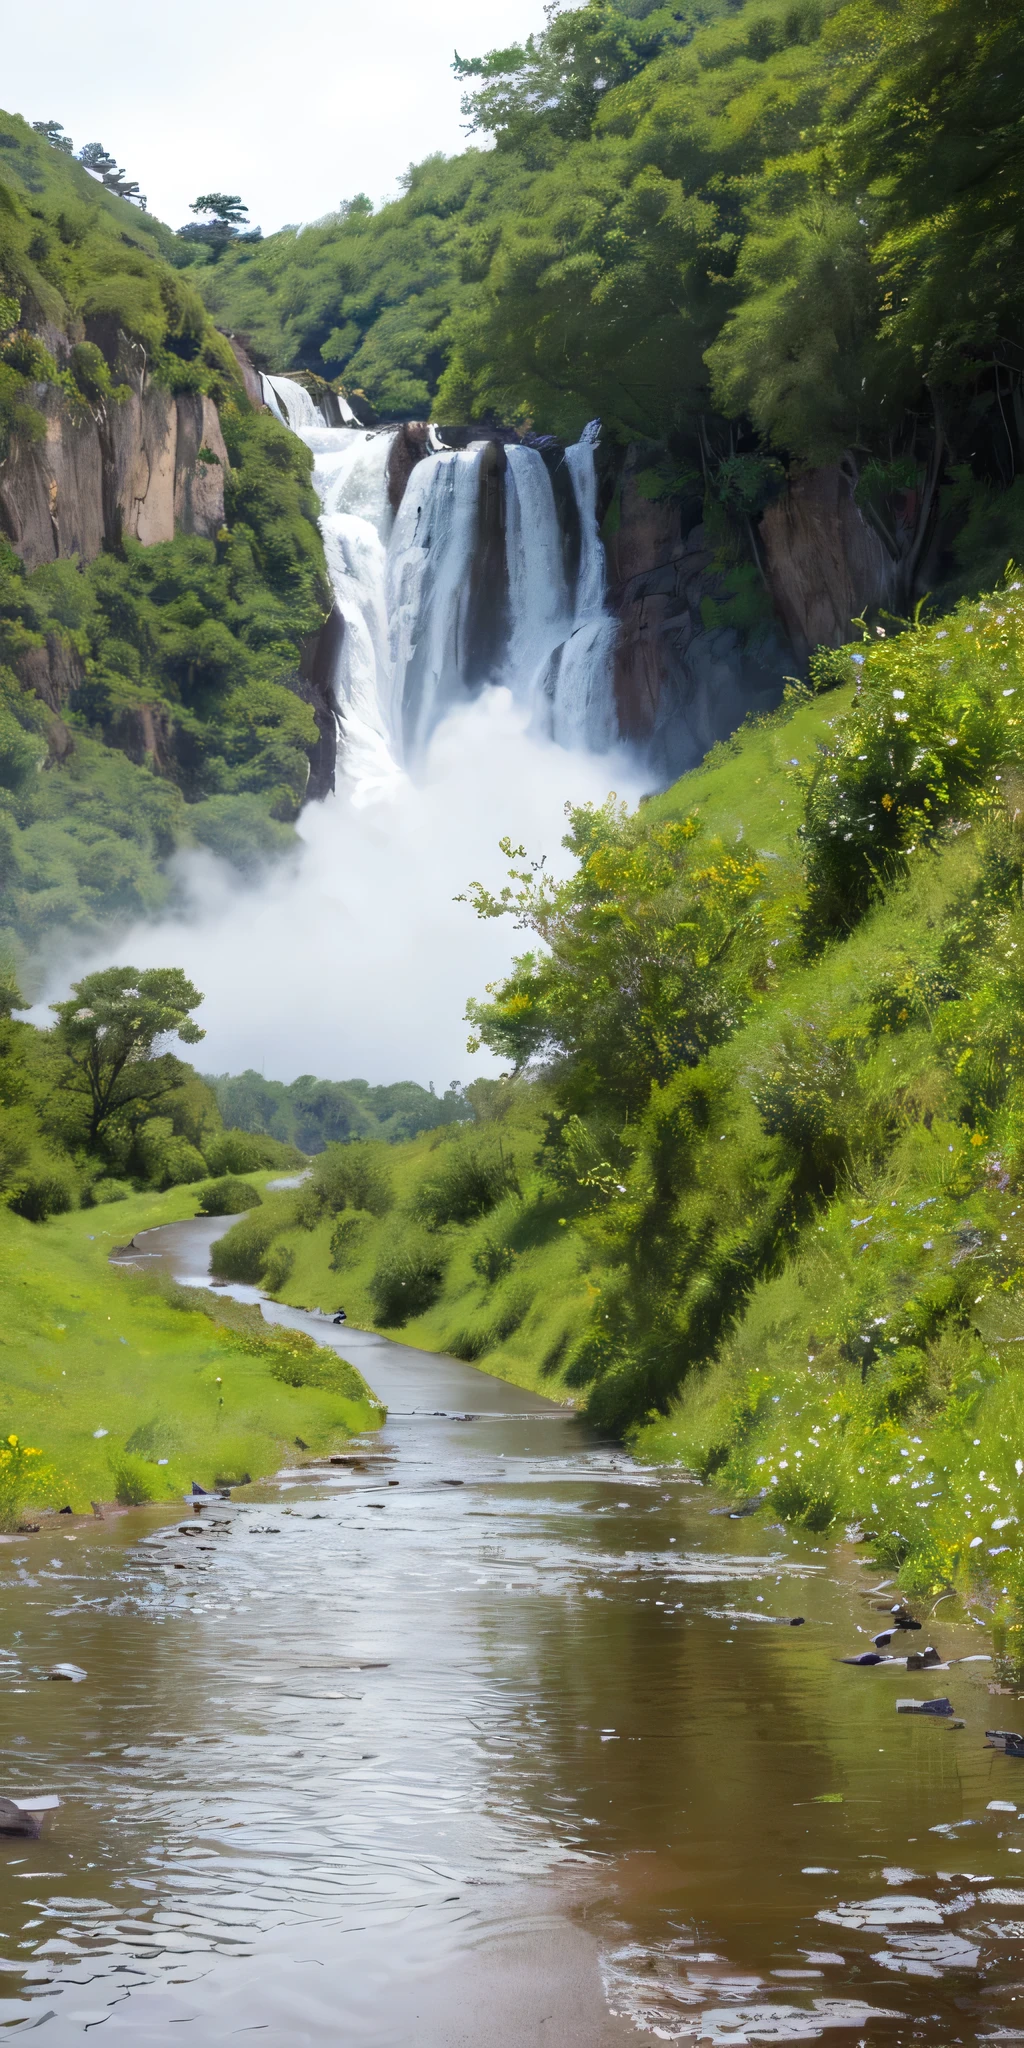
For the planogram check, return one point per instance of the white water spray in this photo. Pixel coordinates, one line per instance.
(355, 958)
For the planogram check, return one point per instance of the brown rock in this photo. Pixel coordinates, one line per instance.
(198, 481)
(825, 565)
(407, 449)
(250, 374)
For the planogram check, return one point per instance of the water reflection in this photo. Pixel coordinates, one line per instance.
(481, 1741)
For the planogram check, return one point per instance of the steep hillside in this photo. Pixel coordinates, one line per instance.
(161, 573)
(761, 1203)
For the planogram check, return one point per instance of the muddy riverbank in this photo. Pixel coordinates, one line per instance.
(494, 1738)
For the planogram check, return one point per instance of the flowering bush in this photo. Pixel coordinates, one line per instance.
(938, 713)
(15, 1475)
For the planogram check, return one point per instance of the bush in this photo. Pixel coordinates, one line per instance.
(241, 1252)
(134, 1481)
(44, 1194)
(15, 1476)
(407, 1280)
(809, 1098)
(229, 1196)
(935, 717)
(107, 1190)
(354, 1176)
(347, 1239)
(277, 1267)
(467, 1183)
(246, 1152)
(323, 1370)
(167, 1161)
(492, 1258)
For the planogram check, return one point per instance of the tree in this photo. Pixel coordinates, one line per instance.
(53, 133)
(96, 158)
(226, 208)
(229, 223)
(109, 1028)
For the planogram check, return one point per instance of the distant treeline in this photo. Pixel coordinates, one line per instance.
(311, 1113)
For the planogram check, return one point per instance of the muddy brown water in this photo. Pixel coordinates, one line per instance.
(516, 1760)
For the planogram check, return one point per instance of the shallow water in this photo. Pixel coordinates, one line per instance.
(505, 1752)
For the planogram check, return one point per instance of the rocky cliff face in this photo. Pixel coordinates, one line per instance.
(681, 683)
(684, 681)
(145, 464)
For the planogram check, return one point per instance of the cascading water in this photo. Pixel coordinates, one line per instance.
(474, 639)
(435, 606)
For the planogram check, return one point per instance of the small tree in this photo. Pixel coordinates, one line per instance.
(226, 208)
(53, 133)
(109, 1029)
(229, 222)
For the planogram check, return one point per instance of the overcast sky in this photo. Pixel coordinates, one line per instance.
(294, 111)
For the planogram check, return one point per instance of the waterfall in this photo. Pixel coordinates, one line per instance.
(429, 564)
(539, 603)
(466, 585)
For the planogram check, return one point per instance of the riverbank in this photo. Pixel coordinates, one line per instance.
(126, 1393)
(461, 1741)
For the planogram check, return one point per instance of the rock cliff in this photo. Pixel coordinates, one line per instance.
(143, 464)
(686, 677)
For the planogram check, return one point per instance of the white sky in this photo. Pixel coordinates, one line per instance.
(294, 111)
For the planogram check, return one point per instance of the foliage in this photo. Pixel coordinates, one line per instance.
(353, 1176)
(16, 1476)
(177, 1375)
(311, 1113)
(648, 952)
(107, 1030)
(229, 1196)
(407, 1278)
(469, 1180)
(936, 716)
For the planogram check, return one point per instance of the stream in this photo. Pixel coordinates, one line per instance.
(494, 1737)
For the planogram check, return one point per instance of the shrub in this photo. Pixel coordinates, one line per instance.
(229, 1196)
(492, 1258)
(106, 1189)
(408, 1278)
(15, 1475)
(809, 1098)
(347, 1239)
(468, 1181)
(354, 1176)
(318, 1368)
(134, 1481)
(277, 1267)
(935, 717)
(246, 1152)
(240, 1253)
(167, 1161)
(45, 1194)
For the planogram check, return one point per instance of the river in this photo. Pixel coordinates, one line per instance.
(496, 1739)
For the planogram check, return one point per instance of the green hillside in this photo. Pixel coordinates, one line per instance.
(175, 720)
(759, 1204)
(129, 1393)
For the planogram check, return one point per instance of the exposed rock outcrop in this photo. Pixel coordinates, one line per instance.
(313, 685)
(145, 464)
(409, 446)
(680, 683)
(53, 671)
(250, 374)
(824, 563)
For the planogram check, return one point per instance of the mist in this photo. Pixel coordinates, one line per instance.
(354, 959)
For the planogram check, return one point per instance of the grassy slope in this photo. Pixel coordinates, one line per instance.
(736, 790)
(85, 1347)
(785, 1405)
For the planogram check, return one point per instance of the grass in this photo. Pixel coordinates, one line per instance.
(86, 1347)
